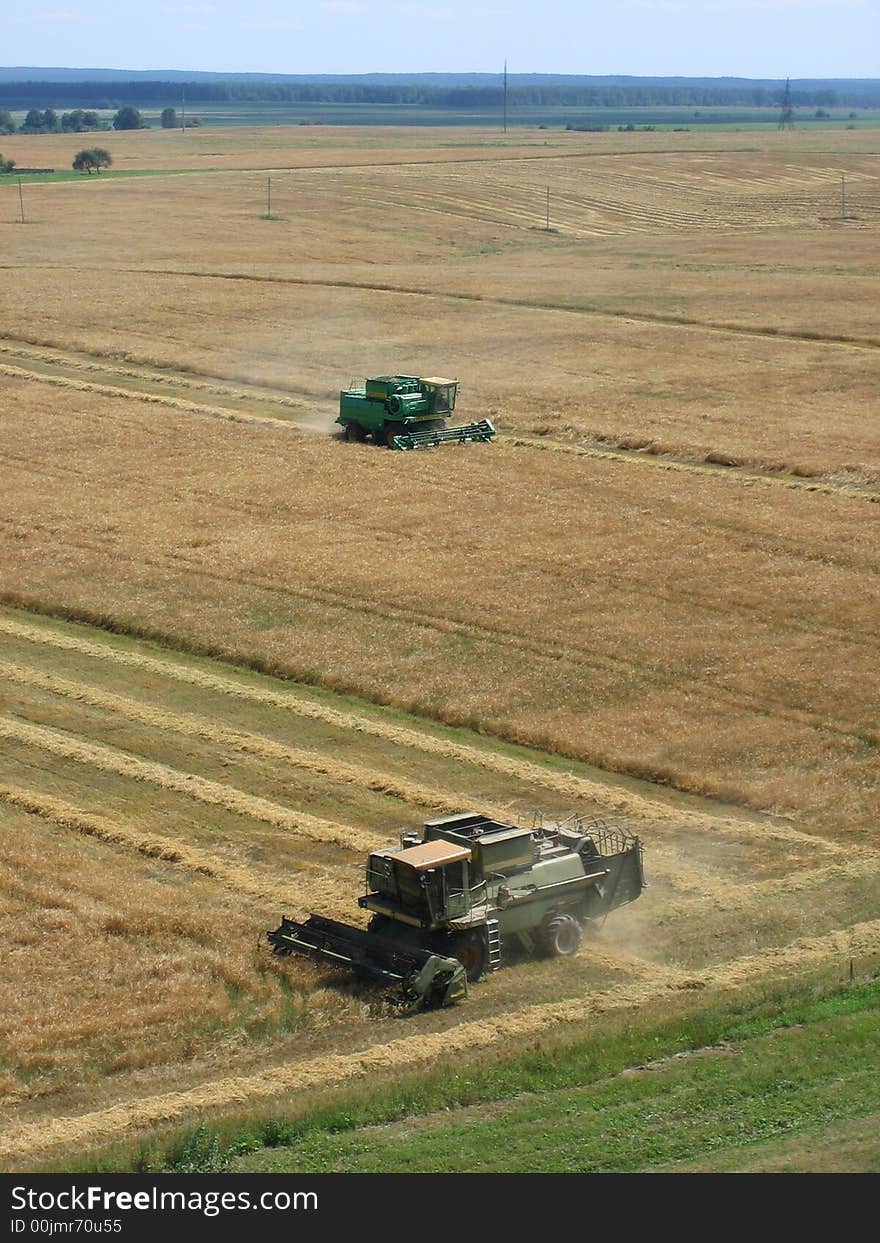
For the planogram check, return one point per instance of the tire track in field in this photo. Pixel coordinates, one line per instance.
(309, 419)
(175, 403)
(567, 784)
(312, 885)
(51, 356)
(110, 759)
(195, 726)
(30, 1140)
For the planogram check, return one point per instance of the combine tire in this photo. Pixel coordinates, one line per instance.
(391, 430)
(470, 950)
(354, 431)
(561, 936)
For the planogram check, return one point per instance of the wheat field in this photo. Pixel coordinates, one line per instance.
(236, 654)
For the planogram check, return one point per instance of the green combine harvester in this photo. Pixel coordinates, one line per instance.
(406, 412)
(449, 904)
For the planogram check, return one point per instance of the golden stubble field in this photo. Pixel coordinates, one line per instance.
(664, 570)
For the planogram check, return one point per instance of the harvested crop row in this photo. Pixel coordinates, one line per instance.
(742, 475)
(109, 759)
(56, 358)
(314, 885)
(35, 1139)
(718, 894)
(176, 403)
(195, 726)
(570, 785)
(672, 869)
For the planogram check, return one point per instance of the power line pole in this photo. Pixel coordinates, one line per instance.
(548, 209)
(183, 111)
(786, 118)
(20, 202)
(842, 197)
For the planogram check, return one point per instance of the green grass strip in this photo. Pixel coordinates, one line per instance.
(767, 1067)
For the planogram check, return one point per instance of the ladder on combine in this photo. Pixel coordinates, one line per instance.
(482, 431)
(493, 932)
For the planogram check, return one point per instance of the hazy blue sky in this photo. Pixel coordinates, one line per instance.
(740, 38)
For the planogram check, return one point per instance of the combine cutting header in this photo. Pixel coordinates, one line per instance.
(406, 412)
(448, 904)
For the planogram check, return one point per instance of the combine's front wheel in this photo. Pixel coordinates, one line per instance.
(391, 430)
(470, 950)
(354, 432)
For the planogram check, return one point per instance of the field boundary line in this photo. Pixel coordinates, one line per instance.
(769, 333)
(111, 759)
(593, 312)
(407, 1052)
(568, 784)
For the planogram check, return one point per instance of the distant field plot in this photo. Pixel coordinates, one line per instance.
(236, 653)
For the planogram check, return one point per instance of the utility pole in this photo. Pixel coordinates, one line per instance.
(20, 202)
(505, 97)
(268, 198)
(182, 111)
(786, 119)
(548, 209)
(842, 197)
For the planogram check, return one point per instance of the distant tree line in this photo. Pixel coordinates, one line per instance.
(47, 121)
(114, 95)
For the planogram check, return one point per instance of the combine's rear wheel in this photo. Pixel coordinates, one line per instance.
(561, 936)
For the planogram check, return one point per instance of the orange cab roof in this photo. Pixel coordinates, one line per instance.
(432, 855)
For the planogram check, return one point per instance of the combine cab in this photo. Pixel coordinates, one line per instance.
(446, 905)
(406, 412)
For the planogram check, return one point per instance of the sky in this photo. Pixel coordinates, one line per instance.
(691, 38)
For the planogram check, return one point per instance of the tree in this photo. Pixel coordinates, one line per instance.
(37, 122)
(77, 121)
(6, 166)
(169, 118)
(93, 158)
(7, 125)
(128, 118)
